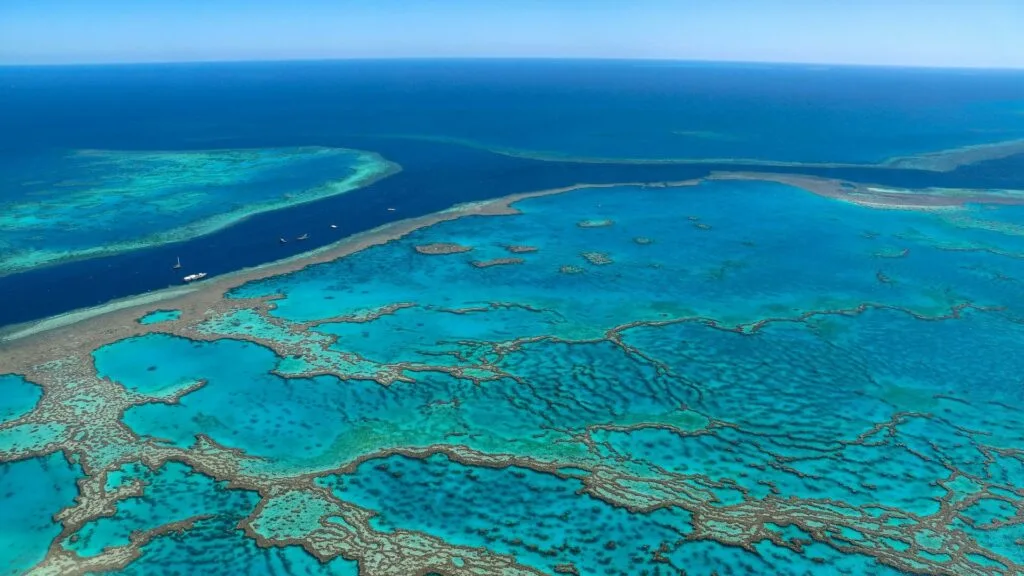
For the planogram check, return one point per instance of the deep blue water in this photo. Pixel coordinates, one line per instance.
(574, 108)
(564, 109)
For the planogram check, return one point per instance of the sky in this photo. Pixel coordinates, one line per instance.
(953, 33)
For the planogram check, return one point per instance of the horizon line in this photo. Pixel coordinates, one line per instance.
(216, 61)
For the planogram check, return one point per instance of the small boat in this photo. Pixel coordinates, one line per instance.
(303, 237)
(334, 225)
(391, 209)
(283, 241)
(194, 277)
(177, 264)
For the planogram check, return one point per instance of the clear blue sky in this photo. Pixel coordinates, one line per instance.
(896, 32)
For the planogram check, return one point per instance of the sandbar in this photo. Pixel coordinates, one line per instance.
(872, 196)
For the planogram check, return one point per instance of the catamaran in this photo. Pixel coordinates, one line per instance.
(194, 277)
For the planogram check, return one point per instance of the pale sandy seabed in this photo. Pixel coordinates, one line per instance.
(883, 197)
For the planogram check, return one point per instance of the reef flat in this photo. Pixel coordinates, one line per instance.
(796, 384)
(101, 202)
(951, 159)
(945, 160)
(883, 197)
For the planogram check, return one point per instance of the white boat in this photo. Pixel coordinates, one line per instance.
(334, 225)
(303, 237)
(283, 241)
(178, 264)
(194, 277)
(391, 209)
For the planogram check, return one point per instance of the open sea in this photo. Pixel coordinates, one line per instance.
(636, 376)
(443, 121)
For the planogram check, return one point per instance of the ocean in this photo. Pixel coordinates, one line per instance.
(736, 319)
(442, 122)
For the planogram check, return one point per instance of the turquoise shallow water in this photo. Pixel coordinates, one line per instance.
(486, 508)
(217, 547)
(171, 494)
(555, 525)
(17, 397)
(158, 316)
(31, 493)
(727, 378)
(782, 251)
(91, 203)
(241, 405)
(732, 378)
